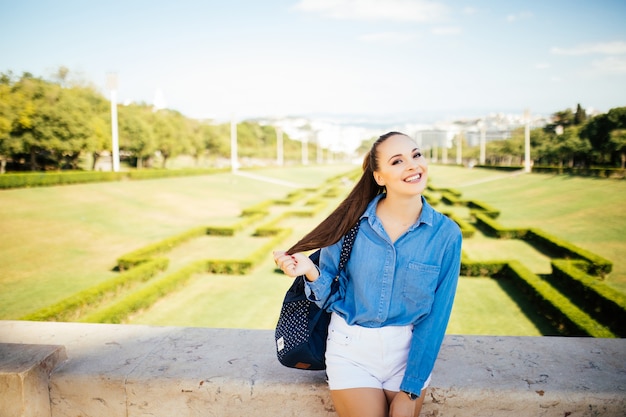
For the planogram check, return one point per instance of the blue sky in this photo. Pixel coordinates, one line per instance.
(248, 58)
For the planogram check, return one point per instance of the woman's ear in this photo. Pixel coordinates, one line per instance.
(379, 179)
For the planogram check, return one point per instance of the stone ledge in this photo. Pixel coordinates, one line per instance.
(24, 378)
(130, 370)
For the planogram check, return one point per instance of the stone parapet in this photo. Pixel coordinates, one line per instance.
(133, 371)
(24, 378)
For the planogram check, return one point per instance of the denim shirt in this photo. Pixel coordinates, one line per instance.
(411, 281)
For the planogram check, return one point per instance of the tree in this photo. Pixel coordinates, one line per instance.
(7, 117)
(598, 132)
(136, 135)
(170, 134)
(570, 145)
(580, 116)
(618, 140)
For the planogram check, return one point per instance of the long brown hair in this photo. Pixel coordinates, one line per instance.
(337, 224)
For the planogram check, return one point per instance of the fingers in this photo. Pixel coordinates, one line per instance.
(285, 261)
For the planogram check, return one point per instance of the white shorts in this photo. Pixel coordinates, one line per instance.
(362, 357)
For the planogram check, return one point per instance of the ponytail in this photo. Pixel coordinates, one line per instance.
(346, 215)
(337, 224)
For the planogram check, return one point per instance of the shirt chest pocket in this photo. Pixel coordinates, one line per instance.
(419, 284)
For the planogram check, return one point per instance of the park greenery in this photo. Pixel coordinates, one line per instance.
(114, 249)
(59, 124)
(194, 250)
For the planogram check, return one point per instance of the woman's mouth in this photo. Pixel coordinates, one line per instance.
(413, 178)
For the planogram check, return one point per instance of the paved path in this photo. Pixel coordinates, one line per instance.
(268, 179)
(493, 178)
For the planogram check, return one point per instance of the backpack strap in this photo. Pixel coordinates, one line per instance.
(346, 247)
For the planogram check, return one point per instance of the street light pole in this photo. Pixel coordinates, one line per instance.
(483, 142)
(279, 147)
(527, 140)
(234, 164)
(305, 149)
(115, 147)
(459, 147)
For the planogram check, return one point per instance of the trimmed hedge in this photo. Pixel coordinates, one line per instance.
(483, 207)
(143, 254)
(51, 178)
(493, 228)
(72, 307)
(557, 247)
(46, 179)
(143, 298)
(471, 268)
(140, 266)
(617, 173)
(597, 265)
(451, 199)
(567, 317)
(152, 292)
(605, 304)
(564, 314)
(467, 230)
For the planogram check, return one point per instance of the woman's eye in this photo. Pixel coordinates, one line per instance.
(396, 162)
(417, 155)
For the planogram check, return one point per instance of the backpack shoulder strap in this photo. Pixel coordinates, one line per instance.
(346, 247)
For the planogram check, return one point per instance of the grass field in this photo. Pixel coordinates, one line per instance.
(60, 240)
(588, 212)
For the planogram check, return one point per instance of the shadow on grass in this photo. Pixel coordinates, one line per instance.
(530, 310)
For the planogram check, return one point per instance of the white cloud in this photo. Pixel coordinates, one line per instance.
(519, 16)
(612, 64)
(470, 10)
(450, 30)
(606, 48)
(393, 10)
(392, 37)
(542, 66)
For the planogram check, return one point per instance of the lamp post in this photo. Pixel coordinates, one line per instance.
(234, 164)
(527, 140)
(319, 154)
(115, 147)
(483, 142)
(305, 149)
(279, 147)
(459, 147)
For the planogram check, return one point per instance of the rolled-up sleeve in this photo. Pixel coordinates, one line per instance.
(318, 291)
(428, 334)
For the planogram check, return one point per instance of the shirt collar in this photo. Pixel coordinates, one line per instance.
(426, 216)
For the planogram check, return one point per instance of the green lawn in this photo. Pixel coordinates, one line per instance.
(588, 212)
(60, 240)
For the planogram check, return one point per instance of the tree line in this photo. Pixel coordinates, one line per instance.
(571, 139)
(53, 124)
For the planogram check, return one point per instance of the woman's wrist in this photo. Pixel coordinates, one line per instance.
(313, 274)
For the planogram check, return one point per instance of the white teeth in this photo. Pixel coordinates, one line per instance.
(413, 178)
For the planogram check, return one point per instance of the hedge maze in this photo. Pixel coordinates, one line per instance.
(144, 277)
(572, 297)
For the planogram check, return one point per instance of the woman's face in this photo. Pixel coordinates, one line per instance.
(402, 169)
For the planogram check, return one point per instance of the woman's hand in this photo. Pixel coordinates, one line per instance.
(296, 264)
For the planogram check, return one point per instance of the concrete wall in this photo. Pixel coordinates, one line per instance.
(133, 371)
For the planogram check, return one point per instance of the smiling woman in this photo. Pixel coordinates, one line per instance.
(399, 283)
